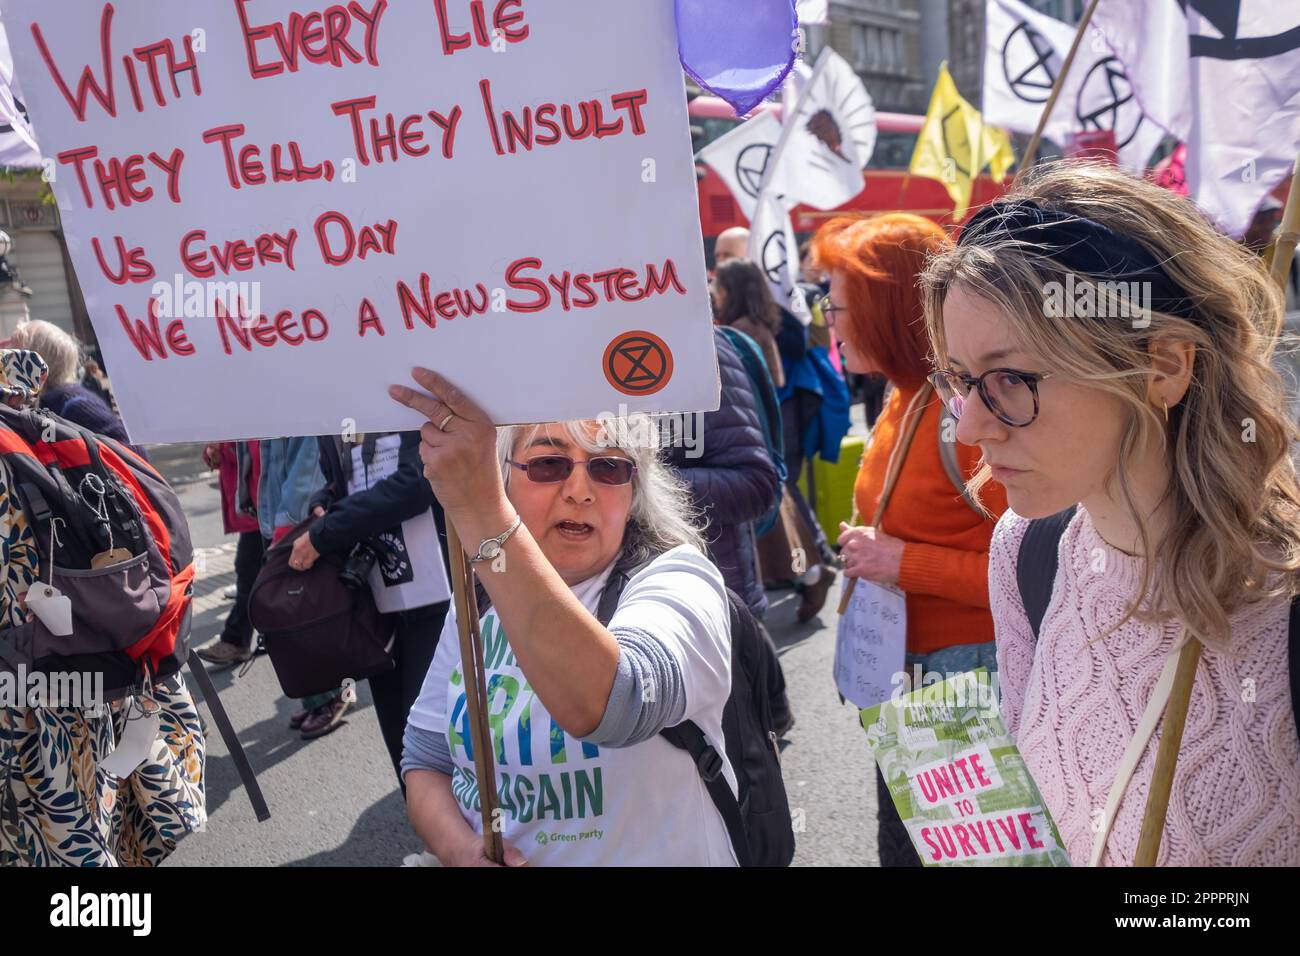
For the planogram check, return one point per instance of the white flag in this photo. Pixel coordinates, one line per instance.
(18, 149)
(774, 249)
(800, 74)
(814, 12)
(741, 157)
(829, 136)
(1224, 77)
(1023, 53)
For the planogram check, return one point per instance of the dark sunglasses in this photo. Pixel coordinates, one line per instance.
(1010, 394)
(551, 469)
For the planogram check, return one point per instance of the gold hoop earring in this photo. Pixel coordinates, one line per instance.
(1166, 404)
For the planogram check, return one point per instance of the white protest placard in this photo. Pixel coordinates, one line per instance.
(871, 643)
(276, 208)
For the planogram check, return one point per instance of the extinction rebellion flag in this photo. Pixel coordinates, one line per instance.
(1223, 76)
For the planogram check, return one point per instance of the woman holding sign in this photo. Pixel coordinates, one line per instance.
(1109, 353)
(577, 691)
(924, 537)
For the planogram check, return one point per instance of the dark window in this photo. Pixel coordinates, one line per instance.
(893, 151)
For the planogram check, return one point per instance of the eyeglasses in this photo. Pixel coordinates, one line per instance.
(1010, 394)
(552, 469)
(828, 309)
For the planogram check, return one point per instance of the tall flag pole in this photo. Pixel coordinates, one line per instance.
(1031, 151)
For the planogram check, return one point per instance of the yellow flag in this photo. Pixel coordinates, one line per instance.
(997, 147)
(955, 144)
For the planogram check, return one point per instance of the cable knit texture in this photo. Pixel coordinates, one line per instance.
(1072, 707)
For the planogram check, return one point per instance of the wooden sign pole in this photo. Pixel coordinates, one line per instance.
(1287, 238)
(1031, 151)
(472, 670)
(1171, 737)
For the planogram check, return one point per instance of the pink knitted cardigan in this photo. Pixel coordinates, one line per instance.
(1072, 707)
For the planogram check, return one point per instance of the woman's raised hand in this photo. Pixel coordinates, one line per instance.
(458, 445)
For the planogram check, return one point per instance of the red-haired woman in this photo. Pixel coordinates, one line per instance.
(929, 541)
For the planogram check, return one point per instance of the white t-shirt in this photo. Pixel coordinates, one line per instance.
(566, 802)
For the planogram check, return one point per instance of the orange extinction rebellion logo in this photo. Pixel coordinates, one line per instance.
(638, 363)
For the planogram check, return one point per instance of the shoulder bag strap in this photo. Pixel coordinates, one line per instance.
(911, 422)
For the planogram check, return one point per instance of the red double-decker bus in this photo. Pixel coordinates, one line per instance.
(888, 185)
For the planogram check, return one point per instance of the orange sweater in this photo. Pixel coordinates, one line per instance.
(945, 569)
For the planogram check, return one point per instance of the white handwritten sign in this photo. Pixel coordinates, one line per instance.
(870, 643)
(276, 207)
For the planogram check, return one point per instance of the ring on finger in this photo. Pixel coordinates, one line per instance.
(442, 426)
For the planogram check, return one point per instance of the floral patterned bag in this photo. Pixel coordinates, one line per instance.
(58, 806)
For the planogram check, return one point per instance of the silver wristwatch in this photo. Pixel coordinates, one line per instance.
(489, 548)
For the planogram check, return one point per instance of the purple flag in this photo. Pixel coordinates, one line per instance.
(740, 50)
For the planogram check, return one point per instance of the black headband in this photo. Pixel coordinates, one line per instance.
(1081, 245)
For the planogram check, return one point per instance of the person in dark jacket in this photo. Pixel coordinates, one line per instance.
(785, 348)
(733, 483)
(376, 495)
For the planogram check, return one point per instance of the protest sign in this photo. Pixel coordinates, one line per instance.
(870, 643)
(275, 211)
(958, 780)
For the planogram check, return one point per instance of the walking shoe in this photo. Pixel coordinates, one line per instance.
(297, 717)
(224, 653)
(325, 719)
(230, 592)
(814, 595)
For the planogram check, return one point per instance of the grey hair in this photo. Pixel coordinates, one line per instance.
(60, 350)
(663, 514)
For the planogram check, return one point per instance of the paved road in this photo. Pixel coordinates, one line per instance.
(334, 801)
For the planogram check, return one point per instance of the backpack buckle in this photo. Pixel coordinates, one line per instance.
(710, 765)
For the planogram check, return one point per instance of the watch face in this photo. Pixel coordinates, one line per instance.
(491, 550)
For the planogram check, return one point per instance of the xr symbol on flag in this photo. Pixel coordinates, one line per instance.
(1032, 77)
(1114, 108)
(751, 166)
(1225, 17)
(775, 257)
(638, 363)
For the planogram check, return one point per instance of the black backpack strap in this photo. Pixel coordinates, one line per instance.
(626, 569)
(228, 735)
(609, 597)
(1293, 656)
(1036, 564)
(688, 736)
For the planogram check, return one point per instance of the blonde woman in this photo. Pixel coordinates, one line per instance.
(1151, 404)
